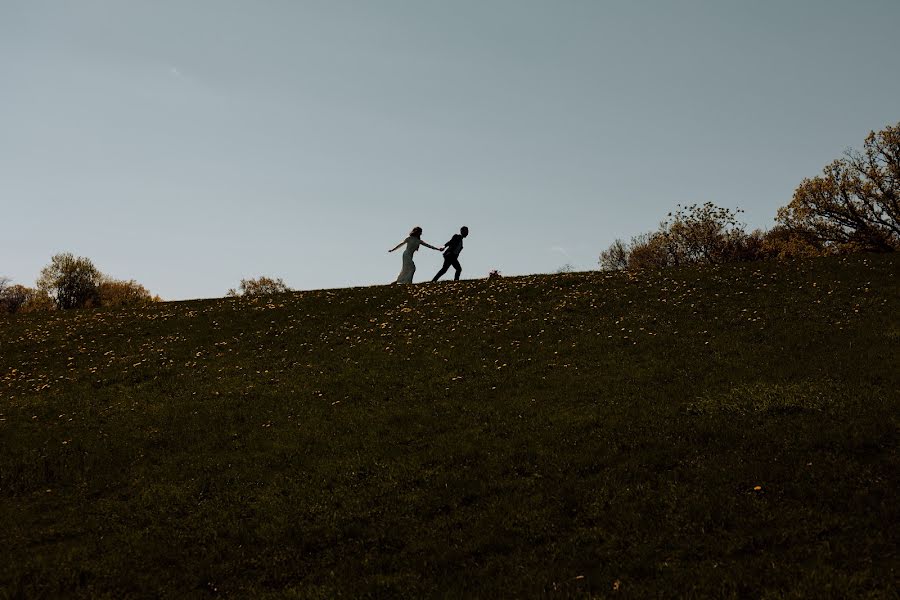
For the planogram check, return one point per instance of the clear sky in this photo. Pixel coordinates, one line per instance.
(189, 143)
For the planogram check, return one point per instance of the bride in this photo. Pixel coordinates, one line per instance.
(412, 244)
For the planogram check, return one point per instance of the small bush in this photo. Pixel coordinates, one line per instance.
(261, 286)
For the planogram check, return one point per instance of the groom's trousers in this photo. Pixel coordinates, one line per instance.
(449, 261)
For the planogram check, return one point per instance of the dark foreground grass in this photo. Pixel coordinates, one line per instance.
(691, 433)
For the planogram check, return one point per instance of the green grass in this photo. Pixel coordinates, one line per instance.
(717, 432)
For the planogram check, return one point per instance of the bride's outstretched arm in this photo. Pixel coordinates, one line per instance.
(397, 246)
(427, 245)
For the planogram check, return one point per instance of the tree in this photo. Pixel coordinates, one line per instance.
(648, 251)
(701, 234)
(71, 281)
(781, 243)
(855, 203)
(614, 258)
(696, 234)
(12, 297)
(18, 298)
(117, 292)
(261, 286)
(6, 302)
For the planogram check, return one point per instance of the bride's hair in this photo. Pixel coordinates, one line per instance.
(416, 232)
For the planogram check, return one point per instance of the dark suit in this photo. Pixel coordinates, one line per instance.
(451, 257)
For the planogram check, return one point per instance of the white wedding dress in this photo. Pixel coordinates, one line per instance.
(409, 267)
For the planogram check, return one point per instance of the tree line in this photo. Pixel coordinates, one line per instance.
(71, 281)
(853, 206)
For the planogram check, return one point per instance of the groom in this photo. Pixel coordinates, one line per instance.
(451, 254)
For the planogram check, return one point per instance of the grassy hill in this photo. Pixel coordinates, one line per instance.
(713, 432)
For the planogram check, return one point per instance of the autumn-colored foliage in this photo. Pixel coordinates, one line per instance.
(647, 251)
(855, 203)
(615, 258)
(853, 206)
(702, 234)
(260, 286)
(117, 292)
(699, 234)
(19, 298)
(71, 281)
(781, 243)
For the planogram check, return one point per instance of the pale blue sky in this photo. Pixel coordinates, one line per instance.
(189, 143)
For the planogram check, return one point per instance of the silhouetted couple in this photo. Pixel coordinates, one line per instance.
(451, 252)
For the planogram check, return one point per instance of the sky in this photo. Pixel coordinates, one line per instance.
(187, 144)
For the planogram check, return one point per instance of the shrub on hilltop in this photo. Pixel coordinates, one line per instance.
(118, 292)
(261, 286)
(699, 234)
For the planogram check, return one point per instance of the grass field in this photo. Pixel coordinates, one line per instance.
(716, 432)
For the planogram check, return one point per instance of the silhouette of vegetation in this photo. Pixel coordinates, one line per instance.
(699, 234)
(783, 243)
(71, 281)
(19, 298)
(615, 258)
(855, 204)
(261, 286)
(5, 283)
(720, 430)
(117, 292)
(703, 234)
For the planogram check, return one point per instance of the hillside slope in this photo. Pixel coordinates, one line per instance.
(709, 432)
